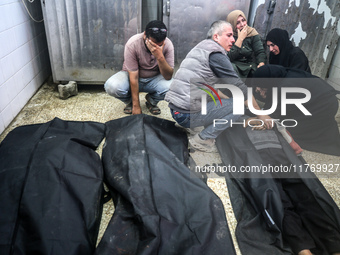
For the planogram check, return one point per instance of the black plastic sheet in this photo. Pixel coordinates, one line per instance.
(51, 188)
(257, 204)
(160, 208)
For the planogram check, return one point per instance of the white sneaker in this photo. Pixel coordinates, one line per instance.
(207, 145)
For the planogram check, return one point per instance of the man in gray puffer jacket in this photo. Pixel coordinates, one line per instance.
(204, 65)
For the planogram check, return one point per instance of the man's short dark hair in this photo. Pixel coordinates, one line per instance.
(157, 30)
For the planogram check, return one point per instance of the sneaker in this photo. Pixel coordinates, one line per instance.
(198, 143)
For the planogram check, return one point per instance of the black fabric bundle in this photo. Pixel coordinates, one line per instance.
(160, 207)
(257, 203)
(51, 191)
(51, 188)
(317, 132)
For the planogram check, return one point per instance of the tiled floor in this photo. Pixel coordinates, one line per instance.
(93, 104)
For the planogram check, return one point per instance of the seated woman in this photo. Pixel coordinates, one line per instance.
(317, 132)
(247, 48)
(283, 52)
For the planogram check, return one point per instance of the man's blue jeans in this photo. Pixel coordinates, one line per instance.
(192, 120)
(118, 86)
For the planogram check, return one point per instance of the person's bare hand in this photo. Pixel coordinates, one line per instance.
(136, 110)
(243, 33)
(155, 49)
(259, 65)
(259, 128)
(255, 124)
(267, 120)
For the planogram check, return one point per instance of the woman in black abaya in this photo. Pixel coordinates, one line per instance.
(282, 51)
(318, 132)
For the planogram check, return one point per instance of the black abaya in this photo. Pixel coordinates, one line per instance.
(317, 132)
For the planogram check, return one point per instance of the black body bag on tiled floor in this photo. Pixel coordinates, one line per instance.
(258, 204)
(160, 207)
(51, 188)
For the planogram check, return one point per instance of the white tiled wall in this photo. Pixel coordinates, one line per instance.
(334, 71)
(24, 60)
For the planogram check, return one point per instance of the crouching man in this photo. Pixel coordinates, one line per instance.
(207, 61)
(148, 67)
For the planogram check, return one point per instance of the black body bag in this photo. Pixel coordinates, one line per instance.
(160, 207)
(257, 203)
(51, 188)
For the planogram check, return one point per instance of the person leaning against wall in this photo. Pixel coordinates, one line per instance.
(247, 53)
(148, 67)
(208, 60)
(284, 53)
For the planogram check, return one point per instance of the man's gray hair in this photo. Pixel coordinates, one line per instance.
(217, 27)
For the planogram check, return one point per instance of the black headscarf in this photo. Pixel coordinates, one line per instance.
(280, 37)
(264, 76)
(289, 56)
(270, 71)
(269, 76)
(318, 132)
